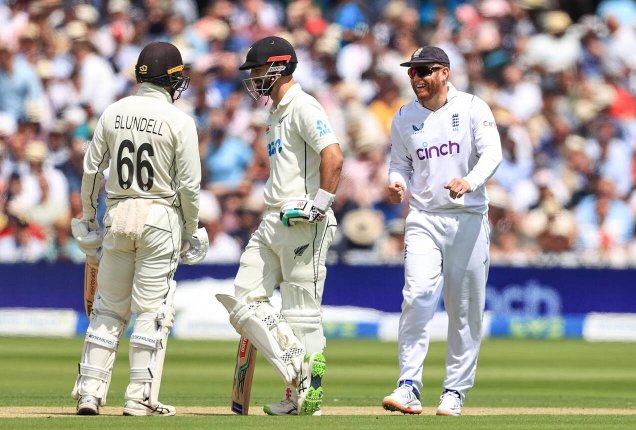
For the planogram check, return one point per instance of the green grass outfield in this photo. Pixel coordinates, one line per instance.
(520, 384)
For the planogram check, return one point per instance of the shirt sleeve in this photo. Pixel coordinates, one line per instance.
(487, 143)
(314, 126)
(96, 160)
(401, 163)
(189, 174)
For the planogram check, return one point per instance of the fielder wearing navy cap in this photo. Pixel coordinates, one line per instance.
(428, 54)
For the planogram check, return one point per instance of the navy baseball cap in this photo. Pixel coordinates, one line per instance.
(428, 54)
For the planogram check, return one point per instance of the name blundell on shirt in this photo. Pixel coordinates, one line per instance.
(149, 125)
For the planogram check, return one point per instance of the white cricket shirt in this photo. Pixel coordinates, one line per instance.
(297, 130)
(152, 150)
(428, 149)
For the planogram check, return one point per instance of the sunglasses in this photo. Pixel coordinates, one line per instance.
(423, 71)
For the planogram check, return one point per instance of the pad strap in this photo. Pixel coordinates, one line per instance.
(94, 372)
(303, 318)
(142, 375)
(104, 340)
(144, 341)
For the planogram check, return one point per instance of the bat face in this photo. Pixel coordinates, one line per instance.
(243, 375)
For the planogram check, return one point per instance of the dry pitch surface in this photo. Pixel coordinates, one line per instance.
(42, 412)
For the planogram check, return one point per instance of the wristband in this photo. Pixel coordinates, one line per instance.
(323, 200)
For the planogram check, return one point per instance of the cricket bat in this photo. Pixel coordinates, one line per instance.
(243, 375)
(90, 283)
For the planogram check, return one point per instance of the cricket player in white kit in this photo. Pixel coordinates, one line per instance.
(151, 149)
(290, 245)
(444, 146)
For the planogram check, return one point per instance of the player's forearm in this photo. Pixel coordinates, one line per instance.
(485, 167)
(331, 160)
(189, 173)
(400, 176)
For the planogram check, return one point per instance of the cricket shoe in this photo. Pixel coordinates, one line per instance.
(88, 405)
(450, 404)
(135, 408)
(405, 398)
(310, 392)
(287, 406)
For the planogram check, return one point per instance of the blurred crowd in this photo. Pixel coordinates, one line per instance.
(560, 77)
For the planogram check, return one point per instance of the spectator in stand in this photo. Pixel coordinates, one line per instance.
(95, 76)
(519, 93)
(19, 82)
(22, 243)
(227, 157)
(223, 247)
(611, 155)
(606, 225)
(558, 48)
(62, 246)
(557, 69)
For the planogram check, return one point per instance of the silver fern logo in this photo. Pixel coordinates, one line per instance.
(300, 250)
(455, 121)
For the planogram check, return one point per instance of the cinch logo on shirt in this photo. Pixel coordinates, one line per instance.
(322, 128)
(438, 151)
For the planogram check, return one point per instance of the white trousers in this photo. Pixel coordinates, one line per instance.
(294, 259)
(135, 275)
(444, 252)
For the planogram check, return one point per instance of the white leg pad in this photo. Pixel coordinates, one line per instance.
(148, 344)
(271, 335)
(98, 357)
(304, 314)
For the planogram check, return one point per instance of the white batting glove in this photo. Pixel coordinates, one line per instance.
(195, 248)
(88, 236)
(305, 210)
(300, 210)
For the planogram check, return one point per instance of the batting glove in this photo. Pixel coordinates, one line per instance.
(300, 210)
(195, 247)
(304, 210)
(87, 234)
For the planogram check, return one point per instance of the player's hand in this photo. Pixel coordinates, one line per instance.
(194, 247)
(396, 192)
(458, 187)
(87, 234)
(300, 210)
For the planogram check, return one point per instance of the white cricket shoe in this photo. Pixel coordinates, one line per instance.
(405, 399)
(450, 404)
(88, 405)
(287, 406)
(136, 408)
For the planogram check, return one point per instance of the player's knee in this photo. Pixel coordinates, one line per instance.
(307, 326)
(303, 314)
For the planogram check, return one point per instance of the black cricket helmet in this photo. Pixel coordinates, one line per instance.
(272, 50)
(160, 63)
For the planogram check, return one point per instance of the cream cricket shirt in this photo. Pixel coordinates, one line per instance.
(428, 149)
(297, 130)
(152, 150)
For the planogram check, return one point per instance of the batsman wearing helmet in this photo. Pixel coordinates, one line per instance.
(151, 149)
(290, 245)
